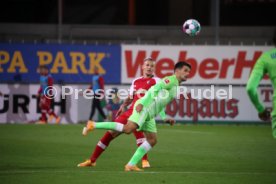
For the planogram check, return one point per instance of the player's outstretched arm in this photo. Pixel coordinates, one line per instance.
(162, 114)
(164, 117)
(253, 83)
(126, 103)
(252, 92)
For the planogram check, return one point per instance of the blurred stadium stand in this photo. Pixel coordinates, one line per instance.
(104, 34)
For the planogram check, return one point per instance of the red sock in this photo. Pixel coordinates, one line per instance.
(140, 138)
(43, 115)
(101, 146)
(51, 112)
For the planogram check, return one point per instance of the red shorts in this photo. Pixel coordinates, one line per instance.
(45, 103)
(124, 117)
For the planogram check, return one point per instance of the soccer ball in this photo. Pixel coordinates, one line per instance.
(191, 27)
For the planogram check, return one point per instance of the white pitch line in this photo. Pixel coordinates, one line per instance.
(145, 172)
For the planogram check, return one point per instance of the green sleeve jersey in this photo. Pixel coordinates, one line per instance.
(266, 64)
(160, 95)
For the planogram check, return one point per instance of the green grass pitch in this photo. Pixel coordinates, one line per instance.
(184, 154)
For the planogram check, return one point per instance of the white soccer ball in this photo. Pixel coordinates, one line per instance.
(191, 27)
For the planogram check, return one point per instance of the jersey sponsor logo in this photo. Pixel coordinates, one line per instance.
(167, 81)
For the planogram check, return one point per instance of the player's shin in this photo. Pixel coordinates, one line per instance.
(140, 138)
(140, 152)
(101, 146)
(51, 113)
(43, 116)
(110, 126)
(91, 125)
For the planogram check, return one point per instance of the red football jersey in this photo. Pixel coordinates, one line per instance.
(140, 86)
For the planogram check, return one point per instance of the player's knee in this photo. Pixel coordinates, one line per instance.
(114, 134)
(152, 142)
(128, 130)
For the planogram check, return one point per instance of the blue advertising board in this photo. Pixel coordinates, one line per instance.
(66, 63)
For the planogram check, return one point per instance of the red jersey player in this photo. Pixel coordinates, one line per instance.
(137, 90)
(44, 93)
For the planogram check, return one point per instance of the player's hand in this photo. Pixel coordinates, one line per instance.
(139, 108)
(170, 121)
(120, 111)
(265, 116)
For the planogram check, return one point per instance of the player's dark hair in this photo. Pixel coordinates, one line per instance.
(180, 65)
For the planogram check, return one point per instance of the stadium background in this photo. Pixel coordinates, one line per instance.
(72, 65)
(72, 37)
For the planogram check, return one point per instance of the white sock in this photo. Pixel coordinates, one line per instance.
(146, 145)
(119, 127)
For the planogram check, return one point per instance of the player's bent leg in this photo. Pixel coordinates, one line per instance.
(142, 150)
(151, 138)
(43, 107)
(129, 127)
(99, 149)
(140, 138)
(105, 140)
(52, 115)
(103, 144)
(91, 125)
(43, 118)
(114, 133)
